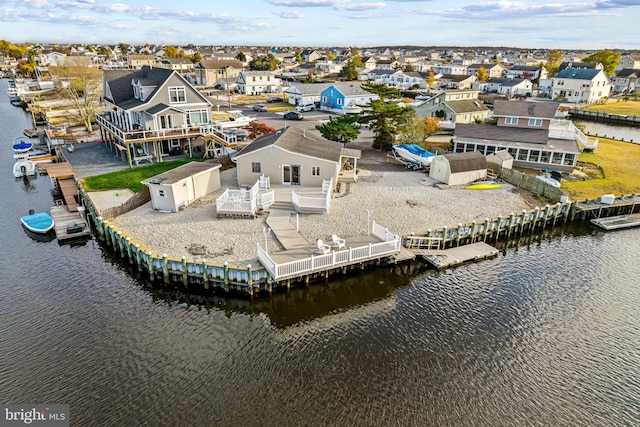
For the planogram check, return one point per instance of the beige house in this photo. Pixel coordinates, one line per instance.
(218, 72)
(139, 61)
(174, 190)
(293, 156)
(459, 168)
(457, 106)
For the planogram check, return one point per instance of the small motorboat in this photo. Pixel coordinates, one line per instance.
(24, 167)
(22, 146)
(549, 180)
(40, 222)
(413, 156)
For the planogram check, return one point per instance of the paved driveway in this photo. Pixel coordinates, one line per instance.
(93, 158)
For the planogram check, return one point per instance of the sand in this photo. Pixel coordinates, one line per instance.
(400, 200)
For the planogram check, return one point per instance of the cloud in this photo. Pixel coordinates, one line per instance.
(607, 4)
(345, 5)
(362, 6)
(36, 4)
(289, 14)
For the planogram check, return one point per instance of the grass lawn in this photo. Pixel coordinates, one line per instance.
(130, 178)
(620, 164)
(627, 108)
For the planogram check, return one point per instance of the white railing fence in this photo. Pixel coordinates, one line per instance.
(326, 261)
(382, 233)
(266, 199)
(265, 182)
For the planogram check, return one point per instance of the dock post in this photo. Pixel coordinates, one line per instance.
(205, 276)
(250, 280)
(536, 215)
(150, 267)
(511, 220)
(458, 234)
(473, 231)
(546, 215)
(499, 228)
(444, 237)
(112, 235)
(129, 253)
(185, 274)
(486, 229)
(226, 276)
(165, 269)
(100, 228)
(138, 257)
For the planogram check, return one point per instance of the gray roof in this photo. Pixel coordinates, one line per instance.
(577, 73)
(455, 77)
(181, 172)
(308, 88)
(505, 81)
(543, 110)
(466, 106)
(463, 162)
(524, 68)
(162, 107)
(299, 141)
(628, 72)
(120, 83)
(510, 137)
(348, 89)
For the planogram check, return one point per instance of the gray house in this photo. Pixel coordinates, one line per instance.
(292, 156)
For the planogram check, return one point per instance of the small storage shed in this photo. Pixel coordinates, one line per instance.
(501, 158)
(459, 168)
(175, 189)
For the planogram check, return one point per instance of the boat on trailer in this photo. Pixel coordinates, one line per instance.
(413, 156)
(40, 222)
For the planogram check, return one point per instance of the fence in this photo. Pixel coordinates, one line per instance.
(529, 182)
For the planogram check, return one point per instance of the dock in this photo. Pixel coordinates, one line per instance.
(617, 222)
(62, 178)
(69, 225)
(446, 258)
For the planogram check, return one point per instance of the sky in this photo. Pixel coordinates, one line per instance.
(557, 24)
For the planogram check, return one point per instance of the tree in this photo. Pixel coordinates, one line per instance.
(124, 48)
(309, 78)
(196, 57)
(341, 129)
(431, 80)
(241, 56)
(258, 129)
(298, 58)
(264, 63)
(482, 74)
(82, 86)
(331, 56)
(408, 68)
(171, 52)
(350, 69)
(608, 58)
(554, 57)
(417, 131)
(385, 117)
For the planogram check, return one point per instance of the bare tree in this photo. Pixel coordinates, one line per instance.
(82, 86)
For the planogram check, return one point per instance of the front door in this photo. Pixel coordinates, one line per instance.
(291, 174)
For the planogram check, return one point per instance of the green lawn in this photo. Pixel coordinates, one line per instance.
(627, 108)
(619, 161)
(130, 178)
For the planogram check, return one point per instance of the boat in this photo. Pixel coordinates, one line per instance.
(483, 186)
(351, 108)
(549, 180)
(24, 167)
(413, 156)
(22, 146)
(40, 222)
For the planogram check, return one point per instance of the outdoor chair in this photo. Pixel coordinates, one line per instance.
(323, 248)
(337, 242)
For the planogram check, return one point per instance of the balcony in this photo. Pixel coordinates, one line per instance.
(141, 135)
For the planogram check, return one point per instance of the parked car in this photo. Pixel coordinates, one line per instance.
(305, 107)
(260, 107)
(274, 99)
(293, 115)
(240, 134)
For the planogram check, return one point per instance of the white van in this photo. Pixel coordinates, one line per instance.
(305, 107)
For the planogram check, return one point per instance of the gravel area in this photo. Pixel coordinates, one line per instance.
(403, 201)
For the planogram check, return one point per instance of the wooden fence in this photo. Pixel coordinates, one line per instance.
(528, 182)
(135, 201)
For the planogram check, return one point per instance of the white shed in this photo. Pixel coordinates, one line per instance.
(459, 168)
(501, 158)
(175, 189)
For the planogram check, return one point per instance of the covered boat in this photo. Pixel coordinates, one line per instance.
(413, 155)
(549, 180)
(21, 146)
(40, 222)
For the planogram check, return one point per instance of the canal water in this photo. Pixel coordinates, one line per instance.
(548, 333)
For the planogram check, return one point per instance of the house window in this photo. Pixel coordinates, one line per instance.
(161, 193)
(535, 122)
(197, 117)
(254, 78)
(510, 120)
(324, 99)
(339, 101)
(315, 170)
(177, 95)
(256, 167)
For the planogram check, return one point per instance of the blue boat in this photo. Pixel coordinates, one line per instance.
(40, 222)
(22, 146)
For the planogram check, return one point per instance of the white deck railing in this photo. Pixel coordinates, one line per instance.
(382, 233)
(244, 201)
(138, 135)
(565, 129)
(327, 261)
(316, 203)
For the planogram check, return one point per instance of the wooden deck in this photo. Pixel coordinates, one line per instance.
(452, 257)
(56, 170)
(617, 222)
(69, 225)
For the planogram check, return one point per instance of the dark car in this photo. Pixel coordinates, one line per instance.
(293, 115)
(274, 99)
(260, 107)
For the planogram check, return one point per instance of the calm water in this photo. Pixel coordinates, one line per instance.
(546, 334)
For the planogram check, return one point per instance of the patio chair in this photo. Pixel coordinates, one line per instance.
(323, 248)
(337, 242)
